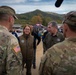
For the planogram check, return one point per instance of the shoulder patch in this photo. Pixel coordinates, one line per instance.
(16, 49)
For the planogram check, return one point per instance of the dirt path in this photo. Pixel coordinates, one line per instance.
(39, 54)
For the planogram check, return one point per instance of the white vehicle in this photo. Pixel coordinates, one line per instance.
(18, 29)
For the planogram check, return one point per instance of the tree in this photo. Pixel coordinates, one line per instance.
(44, 22)
(36, 19)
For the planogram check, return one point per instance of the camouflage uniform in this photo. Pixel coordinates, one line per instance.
(50, 40)
(60, 59)
(10, 54)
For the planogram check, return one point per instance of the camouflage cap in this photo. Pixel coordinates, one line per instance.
(8, 10)
(70, 18)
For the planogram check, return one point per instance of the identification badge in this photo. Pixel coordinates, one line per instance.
(58, 39)
(22, 41)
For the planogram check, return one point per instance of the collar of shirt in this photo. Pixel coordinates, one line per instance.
(71, 39)
(3, 27)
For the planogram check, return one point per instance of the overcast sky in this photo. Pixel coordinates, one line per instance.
(23, 6)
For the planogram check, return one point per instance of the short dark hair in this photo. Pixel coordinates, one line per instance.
(54, 24)
(70, 20)
(73, 28)
(4, 17)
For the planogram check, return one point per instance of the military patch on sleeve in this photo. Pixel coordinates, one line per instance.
(16, 48)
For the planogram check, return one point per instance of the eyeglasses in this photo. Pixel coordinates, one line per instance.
(27, 29)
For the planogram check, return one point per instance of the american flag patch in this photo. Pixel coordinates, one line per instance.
(16, 49)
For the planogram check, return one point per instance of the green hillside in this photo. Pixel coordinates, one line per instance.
(44, 16)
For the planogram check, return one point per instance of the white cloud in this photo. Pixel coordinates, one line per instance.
(50, 8)
(12, 1)
(44, 6)
(36, 0)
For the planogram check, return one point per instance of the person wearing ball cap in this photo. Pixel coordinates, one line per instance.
(60, 59)
(10, 52)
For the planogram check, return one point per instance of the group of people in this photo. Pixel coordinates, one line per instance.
(16, 51)
(60, 59)
(59, 49)
(28, 47)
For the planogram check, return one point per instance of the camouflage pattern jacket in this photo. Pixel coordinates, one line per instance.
(60, 59)
(10, 54)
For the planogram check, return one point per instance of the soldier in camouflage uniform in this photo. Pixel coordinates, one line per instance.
(10, 53)
(60, 59)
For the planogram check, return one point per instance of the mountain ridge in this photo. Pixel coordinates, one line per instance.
(52, 15)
